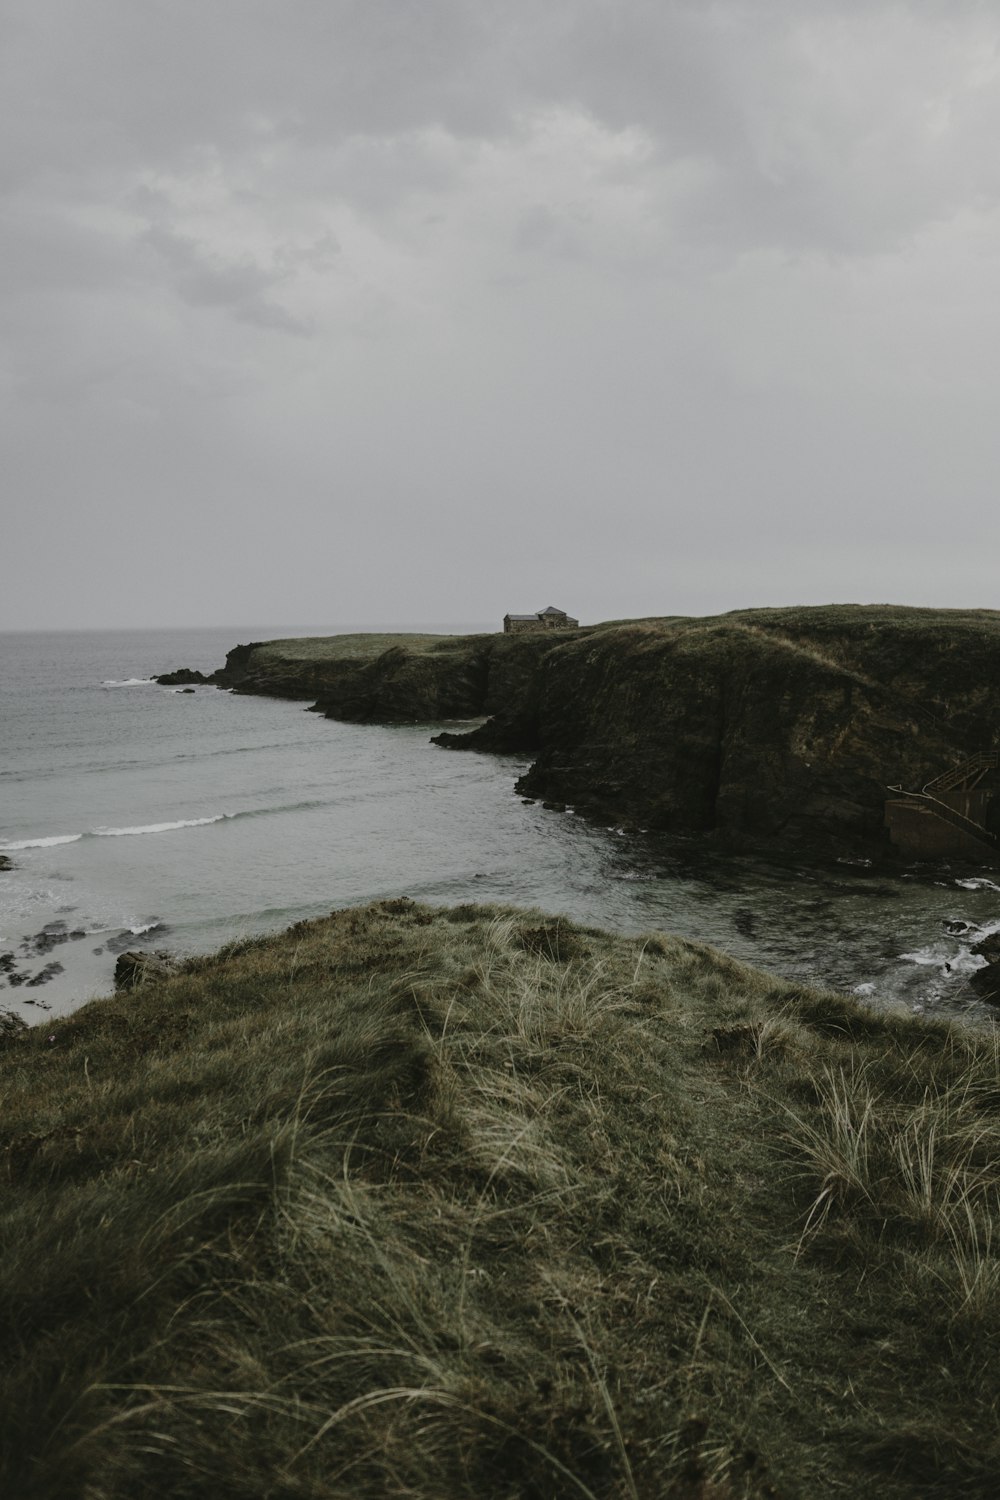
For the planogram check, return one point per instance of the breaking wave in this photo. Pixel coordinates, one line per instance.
(140, 828)
(57, 838)
(118, 833)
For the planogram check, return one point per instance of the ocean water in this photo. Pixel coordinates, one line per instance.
(141, 815)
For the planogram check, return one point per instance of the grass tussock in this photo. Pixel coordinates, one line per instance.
(475, 1203)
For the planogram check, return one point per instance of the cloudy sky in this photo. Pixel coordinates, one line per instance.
(407, 310)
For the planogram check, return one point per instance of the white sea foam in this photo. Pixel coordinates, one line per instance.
(56, 838)
(119, 833)
(128, 682)
(978, 883)
(962, 962)
(925, 956)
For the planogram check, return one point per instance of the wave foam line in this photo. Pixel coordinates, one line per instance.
(261, 812)
(118, 833)
(128, 682)
(56, 838)
(140, 828)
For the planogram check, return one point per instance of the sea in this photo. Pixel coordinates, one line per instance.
(136, 815)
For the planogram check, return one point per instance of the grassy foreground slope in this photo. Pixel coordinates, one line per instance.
(474, 1202)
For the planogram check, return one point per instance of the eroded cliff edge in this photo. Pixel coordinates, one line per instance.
(776, 728)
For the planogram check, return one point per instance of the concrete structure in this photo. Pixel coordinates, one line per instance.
(957, 815)
(544, 619)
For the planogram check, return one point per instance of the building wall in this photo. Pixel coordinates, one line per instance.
(916, 830)
(539, 622)
(972, 805)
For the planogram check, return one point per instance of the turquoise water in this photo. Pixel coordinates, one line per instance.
(140, 814)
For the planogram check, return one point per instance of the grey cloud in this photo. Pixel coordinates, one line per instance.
(637, 304)
(205, 280)
(718, 83)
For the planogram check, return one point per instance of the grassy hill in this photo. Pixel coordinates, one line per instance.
(475, 1202)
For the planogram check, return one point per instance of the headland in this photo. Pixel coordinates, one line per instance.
(769, 729)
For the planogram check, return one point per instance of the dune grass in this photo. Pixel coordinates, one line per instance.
(477, 1202)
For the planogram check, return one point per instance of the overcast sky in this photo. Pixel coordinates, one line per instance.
(408, 310)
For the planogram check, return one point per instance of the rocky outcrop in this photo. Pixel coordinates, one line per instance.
(12, 1026)
(767, 728)
(136, 968)
(986, 981)
(182, 677)
(399, 679)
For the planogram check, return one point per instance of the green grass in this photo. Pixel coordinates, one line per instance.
(360, 648)
(476, 1202)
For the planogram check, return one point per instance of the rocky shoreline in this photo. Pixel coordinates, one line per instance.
(20, 971)
(773, 730)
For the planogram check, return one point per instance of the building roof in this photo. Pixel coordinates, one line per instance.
(520, 617)
(551, 610)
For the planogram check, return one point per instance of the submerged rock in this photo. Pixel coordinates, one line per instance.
(126, 939)
(44, 975)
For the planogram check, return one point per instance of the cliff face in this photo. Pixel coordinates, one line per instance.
(722, 729)
(400, 678)
(770, 728)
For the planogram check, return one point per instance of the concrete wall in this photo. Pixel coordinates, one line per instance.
(918, 831)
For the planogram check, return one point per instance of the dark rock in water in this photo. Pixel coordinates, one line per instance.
(554, 806)
(8, 963)
(989, 948)
(5, 863)
(17, 978)
(135, 968)
(77, 934)
(127, 939)
(97, 952)
(181, 677)
(187, 690)
(51, 935)
(44, 975)
(986, 981)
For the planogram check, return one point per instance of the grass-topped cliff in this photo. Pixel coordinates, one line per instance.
(477, 1203)
(769, 728)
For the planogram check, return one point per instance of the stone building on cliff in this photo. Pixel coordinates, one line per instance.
(545, 619)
